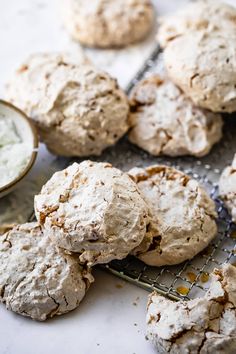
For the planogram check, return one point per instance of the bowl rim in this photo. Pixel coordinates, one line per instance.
(35, 146)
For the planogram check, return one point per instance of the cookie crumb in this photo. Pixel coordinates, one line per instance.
(119, 286)
(135, 303)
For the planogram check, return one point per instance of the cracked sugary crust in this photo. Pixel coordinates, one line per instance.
(78, 110)
(107, 24)
(205, 15)
(203, 65)
(204, 325)
(165, 122)
(182, 216)
(227, 188)
(93, 209)
(36, 278)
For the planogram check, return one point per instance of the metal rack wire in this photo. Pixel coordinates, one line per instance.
(189, 279)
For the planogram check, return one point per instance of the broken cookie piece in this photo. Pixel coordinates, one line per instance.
(94, 209)
(182, 216)
(227, 188)
(37, 279)
(165, 122)
(204, 325)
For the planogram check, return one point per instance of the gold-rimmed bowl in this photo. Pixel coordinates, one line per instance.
(27, 133)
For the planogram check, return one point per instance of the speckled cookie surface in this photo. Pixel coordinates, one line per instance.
(200, 15)
(79, 110)
(227, 188)
(165, 122)
(103, 23)
(201, 326)
(203, 65)
(182, 216)
(36, 278)
(93, 209)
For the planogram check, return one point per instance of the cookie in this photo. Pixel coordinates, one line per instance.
(201, 15)
(37, 279)
(93, 209)
(203, 65)
(227, 188)
(108, 24)
(182, 216)
(165, 122)
(203, 325)
(78, 110)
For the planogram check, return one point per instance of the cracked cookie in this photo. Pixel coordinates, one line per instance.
(203, 65)
(182, 216)
(205, 15)
(78, 110)
(37, 279)
(94, 209)
(204, 325)
(108, 24)
(165, 122)
(227, 188)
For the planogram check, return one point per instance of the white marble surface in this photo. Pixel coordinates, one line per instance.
(111, 319)
(106, 322)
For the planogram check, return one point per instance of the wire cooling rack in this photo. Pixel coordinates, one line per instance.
(190, 279)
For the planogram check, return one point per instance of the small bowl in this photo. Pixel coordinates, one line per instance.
(28, 133)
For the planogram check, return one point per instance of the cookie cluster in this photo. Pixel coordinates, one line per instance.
(80, 110)
(94, 213)
(178, 111)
